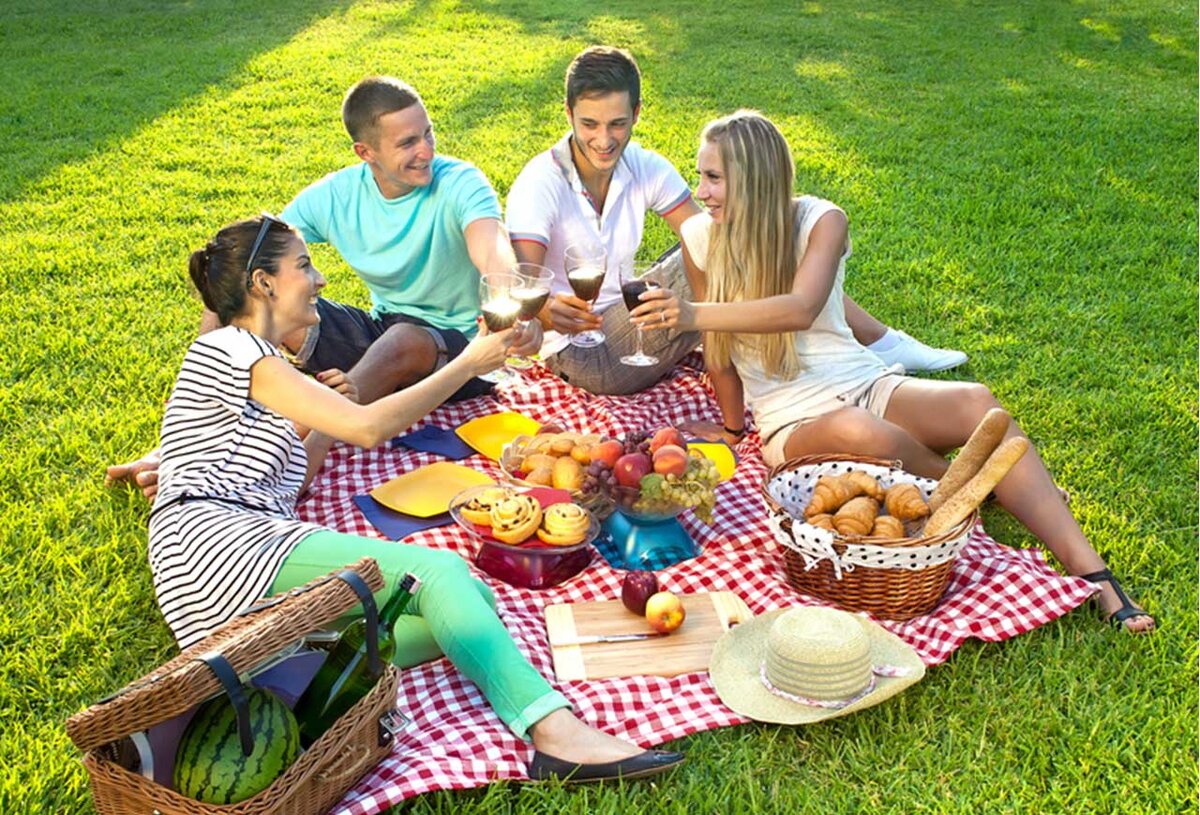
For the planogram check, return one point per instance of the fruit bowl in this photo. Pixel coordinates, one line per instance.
(530, 564)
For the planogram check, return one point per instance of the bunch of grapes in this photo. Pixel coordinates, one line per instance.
(598, 479)
(695, 490)
(637, 441)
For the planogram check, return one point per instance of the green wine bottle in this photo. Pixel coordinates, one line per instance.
(346, 676)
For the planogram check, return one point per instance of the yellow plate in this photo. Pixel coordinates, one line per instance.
(426, 491)
(720, 454)
(489, 434)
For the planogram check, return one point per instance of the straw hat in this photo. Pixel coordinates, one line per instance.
(805, 664)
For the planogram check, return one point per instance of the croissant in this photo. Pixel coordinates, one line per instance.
(822, 519)
(887, 527)
(904, 502)
(857, 516)
(866, 484)
(830, 493)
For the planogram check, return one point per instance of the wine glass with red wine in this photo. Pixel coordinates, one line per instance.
(531, 292)
(634, 283)
(585, 266)
(500, 310)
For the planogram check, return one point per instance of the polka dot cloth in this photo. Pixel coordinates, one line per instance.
(794, 489)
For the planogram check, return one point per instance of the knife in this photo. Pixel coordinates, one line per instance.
(646, 635)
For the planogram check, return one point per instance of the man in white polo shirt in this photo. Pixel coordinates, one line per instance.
(594, 187)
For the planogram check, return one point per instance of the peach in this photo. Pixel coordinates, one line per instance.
(670, 459)
(608, 452)
(664, 612)
(665, 436)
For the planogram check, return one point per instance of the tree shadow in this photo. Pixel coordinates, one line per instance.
(79, 79)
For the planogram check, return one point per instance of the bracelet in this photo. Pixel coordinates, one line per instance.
(738, 433)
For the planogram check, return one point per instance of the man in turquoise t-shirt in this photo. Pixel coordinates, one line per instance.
(418, 229)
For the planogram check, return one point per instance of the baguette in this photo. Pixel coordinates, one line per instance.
(964, 502)
(984, 440)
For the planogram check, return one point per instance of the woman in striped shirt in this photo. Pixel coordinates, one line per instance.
(224, 529)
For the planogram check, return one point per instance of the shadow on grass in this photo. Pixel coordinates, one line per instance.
(81, 78)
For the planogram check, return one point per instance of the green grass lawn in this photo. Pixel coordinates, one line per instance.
(1021, 183)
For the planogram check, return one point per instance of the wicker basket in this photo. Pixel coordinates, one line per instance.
(887, 592)
(313, 783)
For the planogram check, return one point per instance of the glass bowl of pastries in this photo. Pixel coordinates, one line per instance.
(529, 538)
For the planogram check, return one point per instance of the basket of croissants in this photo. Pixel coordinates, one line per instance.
(865, 535)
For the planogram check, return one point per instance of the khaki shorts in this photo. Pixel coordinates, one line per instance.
(872, 397)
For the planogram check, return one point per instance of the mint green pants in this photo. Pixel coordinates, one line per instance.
(452, 615)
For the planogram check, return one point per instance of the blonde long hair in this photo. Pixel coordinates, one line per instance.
(752, 254)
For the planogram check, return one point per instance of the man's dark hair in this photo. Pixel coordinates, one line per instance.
(602, 69)
(371, 98)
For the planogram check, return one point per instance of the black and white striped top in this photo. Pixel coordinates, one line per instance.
(225, 516)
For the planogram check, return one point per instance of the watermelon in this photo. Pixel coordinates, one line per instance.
(209, 764)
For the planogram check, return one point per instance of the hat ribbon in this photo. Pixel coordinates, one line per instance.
(832, 704)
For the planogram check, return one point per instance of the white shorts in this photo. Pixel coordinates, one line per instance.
(872, 397)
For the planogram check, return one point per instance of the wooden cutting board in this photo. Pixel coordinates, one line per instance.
(708, 616)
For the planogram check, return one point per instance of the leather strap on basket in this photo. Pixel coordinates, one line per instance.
(228, 677)
(355, 581)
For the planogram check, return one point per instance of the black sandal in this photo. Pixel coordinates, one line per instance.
(1128, 610)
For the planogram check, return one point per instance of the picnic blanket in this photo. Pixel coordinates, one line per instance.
(455, 740)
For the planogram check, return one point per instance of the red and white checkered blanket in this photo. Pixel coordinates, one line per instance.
(457, 742)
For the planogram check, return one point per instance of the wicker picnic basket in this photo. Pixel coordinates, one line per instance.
(891, 578)
(313, 783)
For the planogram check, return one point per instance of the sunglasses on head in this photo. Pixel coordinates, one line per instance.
(267, 220)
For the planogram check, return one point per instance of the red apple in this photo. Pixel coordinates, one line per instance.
(670, 459)
(630, 468)
(664, 612)
(636, 589)
(608, 452)
(665, 436)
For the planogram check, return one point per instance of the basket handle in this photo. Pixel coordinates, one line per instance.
(224, 672)
(345, 766)
(268, 602)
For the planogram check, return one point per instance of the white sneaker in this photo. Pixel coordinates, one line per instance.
(916, 356)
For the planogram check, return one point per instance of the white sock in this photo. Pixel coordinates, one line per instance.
(887, 342)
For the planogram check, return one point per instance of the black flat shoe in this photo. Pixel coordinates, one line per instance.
(545, 767)
(1128, 610)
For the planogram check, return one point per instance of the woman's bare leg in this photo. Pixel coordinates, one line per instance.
(854, 430)
(941, 416)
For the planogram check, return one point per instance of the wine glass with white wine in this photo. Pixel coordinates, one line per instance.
(500, 310)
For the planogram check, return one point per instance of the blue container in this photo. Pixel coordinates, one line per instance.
(629, 541)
